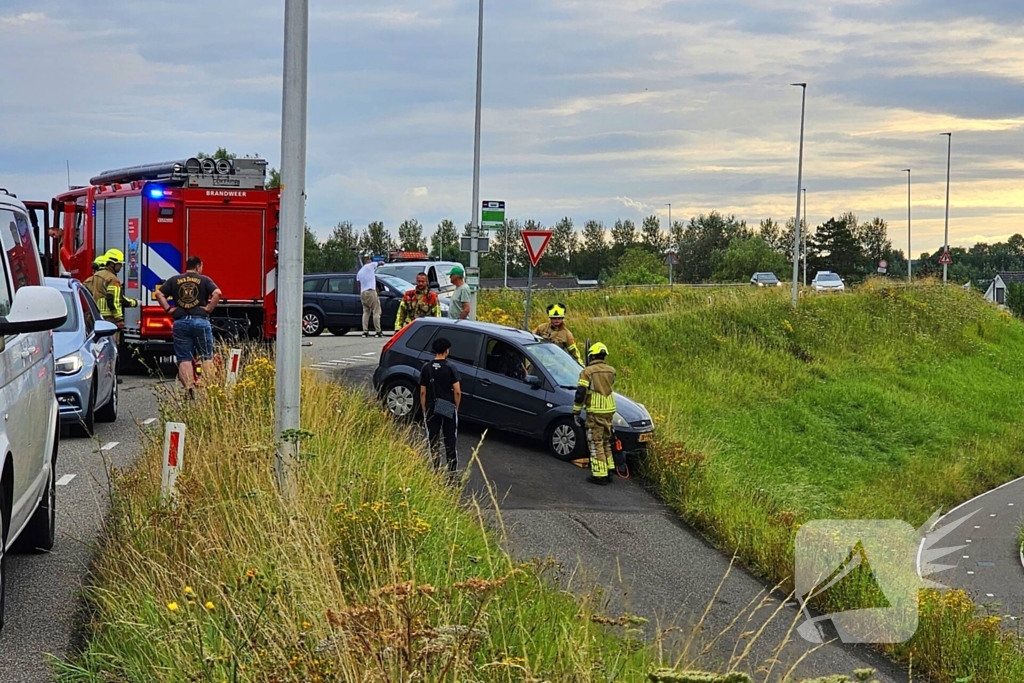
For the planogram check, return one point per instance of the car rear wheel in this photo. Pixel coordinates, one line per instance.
(566, 441)
(108, 413)
(39, 534)
(3, 553)
(400, 399)
(340, 331)
(312, 325)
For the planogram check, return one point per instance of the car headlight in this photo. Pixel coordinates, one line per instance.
(619, 421)
(69, 364)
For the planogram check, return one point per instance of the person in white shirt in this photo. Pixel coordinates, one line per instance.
(367, 278)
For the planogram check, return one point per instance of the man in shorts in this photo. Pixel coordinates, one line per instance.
(194, 296)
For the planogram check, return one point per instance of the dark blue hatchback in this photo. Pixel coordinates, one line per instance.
(511, 380)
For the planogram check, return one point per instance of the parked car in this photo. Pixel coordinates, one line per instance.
(331, 302)
(511, 380)
(30, 430)
(827, 281)
(437, 273)
(86, 364)
(765, 280)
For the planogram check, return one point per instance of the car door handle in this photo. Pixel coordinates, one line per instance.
(486, 382)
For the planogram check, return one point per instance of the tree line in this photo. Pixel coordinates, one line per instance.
(711, 247)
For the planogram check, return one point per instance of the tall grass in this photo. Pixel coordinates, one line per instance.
(890, 402)
(372, 573)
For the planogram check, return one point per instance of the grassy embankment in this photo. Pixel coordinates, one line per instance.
(373, 574)
(890, 402)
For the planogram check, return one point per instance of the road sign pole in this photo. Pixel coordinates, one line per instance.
(474, 230)
(799, 186)
(670, 283)
(289, 266)
(529, 297)
(506, 254)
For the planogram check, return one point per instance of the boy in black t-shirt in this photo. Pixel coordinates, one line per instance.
(440, 395)
(194, 297)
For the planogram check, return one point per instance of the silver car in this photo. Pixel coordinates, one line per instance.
(86, 361)
(827, 281)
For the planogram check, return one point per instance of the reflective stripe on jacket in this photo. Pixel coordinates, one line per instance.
(594, 391)
(415, 305)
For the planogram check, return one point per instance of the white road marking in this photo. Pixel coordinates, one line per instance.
(109, 446)
(968, 540)
(149, 421)
(977, 527)
(989, 595)
(967, 557)
(66, 479)
(992, 515)
(1011, 504)
(970, 572)
(371, 353)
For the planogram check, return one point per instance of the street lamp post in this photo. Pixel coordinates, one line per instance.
(669, 233)
(474, 230)
(799, 186)
(289, 266)
(805, 236)
(949, 158)
(910, 278)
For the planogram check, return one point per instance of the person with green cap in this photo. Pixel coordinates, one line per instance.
(461, 297)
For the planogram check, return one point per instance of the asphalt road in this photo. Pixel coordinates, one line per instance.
(624, 540)
(988, 565)
(44, 608)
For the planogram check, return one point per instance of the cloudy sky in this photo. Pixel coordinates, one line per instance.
(598, 109)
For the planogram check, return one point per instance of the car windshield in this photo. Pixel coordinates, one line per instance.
(71, 324)
(767, 277)
(395, 282)
(828, 277)
(407, 273)
(562, 367)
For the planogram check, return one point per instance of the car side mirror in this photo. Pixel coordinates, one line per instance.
(104, 329)
(534, 381)
(35, 309)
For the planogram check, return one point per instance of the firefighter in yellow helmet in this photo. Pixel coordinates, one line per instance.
(107, 289)
(594, 392)
(556, 332)
(94, 283)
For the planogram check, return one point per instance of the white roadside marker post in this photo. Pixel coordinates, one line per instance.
(174, 449)
(234, 361)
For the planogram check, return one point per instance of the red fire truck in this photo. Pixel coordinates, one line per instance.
(160, 214)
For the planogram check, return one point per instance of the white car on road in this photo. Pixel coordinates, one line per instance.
(30, 429)
(827, 281)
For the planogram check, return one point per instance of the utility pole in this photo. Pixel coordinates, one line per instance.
(292, 222)
(505, 225)
(669, 233)
(910, 259)
(474, 230)
(799, 186)
(805, 236)
(949, 158)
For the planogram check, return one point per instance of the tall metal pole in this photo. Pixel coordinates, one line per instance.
(506, 253)
(474, 231)
(910, 258)
(290, 235)
(805, 236)
(949, 158)
(799, 186)
(670, 282)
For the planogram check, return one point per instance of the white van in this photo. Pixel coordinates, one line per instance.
(30, 428)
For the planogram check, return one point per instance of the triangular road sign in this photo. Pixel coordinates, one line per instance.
(945, 259)
(536, 242)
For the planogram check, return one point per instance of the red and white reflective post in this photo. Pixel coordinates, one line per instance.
(234, 364)
(174, 449)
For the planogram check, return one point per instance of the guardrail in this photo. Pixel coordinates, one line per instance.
(693, 285)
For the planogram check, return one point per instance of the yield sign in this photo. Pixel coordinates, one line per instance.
(945, 259)
(536, 242)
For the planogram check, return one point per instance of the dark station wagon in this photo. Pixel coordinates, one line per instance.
(511, 380)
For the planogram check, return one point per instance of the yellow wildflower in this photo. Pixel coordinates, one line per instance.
(173, 606)
(209, 606)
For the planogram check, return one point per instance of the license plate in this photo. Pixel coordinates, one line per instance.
(647, 437)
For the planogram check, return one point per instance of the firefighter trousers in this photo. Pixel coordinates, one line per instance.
(599, 437)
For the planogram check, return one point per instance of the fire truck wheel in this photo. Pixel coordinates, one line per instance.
(312, 325)
(340, 331)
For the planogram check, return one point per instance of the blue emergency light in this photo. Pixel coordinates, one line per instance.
(156, 193)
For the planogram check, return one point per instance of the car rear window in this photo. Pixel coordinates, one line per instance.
(311, 285)
(420, 339)
(341, 285)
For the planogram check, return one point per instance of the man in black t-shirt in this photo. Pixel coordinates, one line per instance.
(194, 296)
(440, 396)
